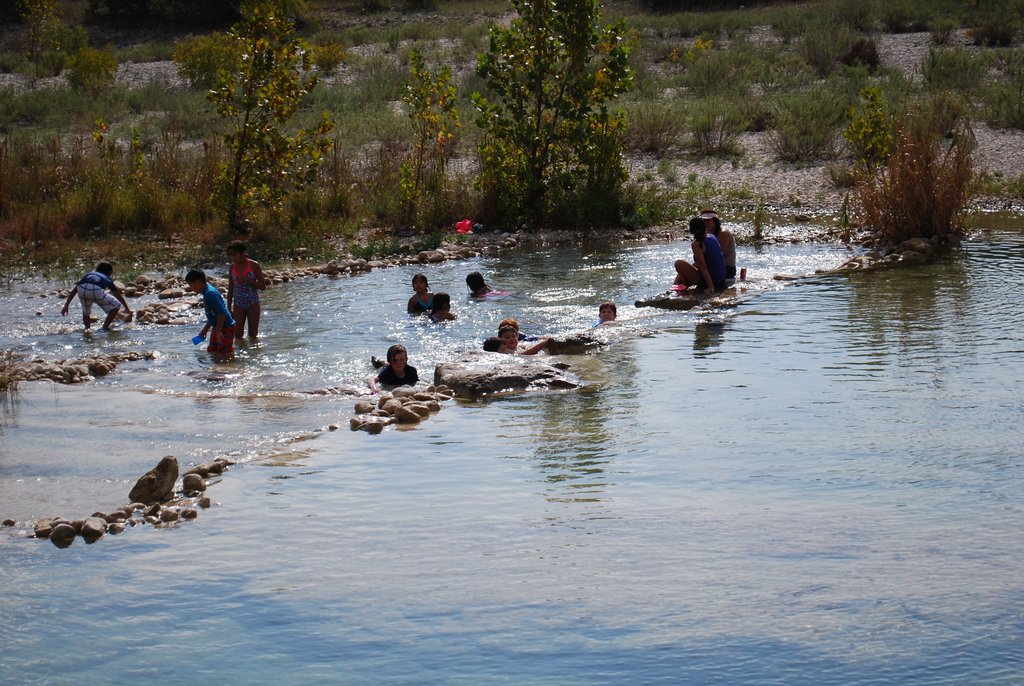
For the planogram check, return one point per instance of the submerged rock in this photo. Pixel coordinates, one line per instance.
(477, 373)
(193, 482)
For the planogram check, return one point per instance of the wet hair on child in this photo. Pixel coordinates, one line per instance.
(492, 344)
(475, 281)
(195, 275)
(395, 350)
(442, 302)
(104, 268)
(420, 277)
(237, 247)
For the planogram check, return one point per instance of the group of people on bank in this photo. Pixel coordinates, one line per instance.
(714, 262)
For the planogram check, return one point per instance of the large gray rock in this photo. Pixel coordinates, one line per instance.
(477, 373)
(575, 343)
(156, 484)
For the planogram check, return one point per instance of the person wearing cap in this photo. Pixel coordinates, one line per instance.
(708, 261)
(725, 239)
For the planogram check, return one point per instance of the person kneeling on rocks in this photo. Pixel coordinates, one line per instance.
(92, 288)
(397, 371)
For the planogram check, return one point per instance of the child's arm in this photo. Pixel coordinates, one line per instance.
(67, 303)
(372, 383)
(217, 330)
(536, 347)
(260, 282)
(231, 290)
(120, 296)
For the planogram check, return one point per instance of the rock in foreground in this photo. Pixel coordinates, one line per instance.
(156, 484)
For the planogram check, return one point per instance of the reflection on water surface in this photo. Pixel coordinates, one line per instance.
(821, 485)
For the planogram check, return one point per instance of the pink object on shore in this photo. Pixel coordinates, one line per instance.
(464, 226)
(678, 287)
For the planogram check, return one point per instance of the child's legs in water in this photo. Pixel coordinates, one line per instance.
(244, 314)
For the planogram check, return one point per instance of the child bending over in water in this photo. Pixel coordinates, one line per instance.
(442, 308)
(244, 288)
(422, 299)
(397, 372)
(222, 340)
(92, 288)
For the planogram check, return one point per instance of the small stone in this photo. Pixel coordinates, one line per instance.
(152, 510)
(419, 408)
(43, 527)
(76, 524)
(193, 482)
(332, 427)
(374, 427)
(94, 527)
(116, 516)
(406, 415)
(404, 392)
(63, 534)
(189, 513)
(9, 522)
(363, 407)
(168, 514)
(152, 519)
(115, 528)
(391, 406)
(205, 502)
(355, 423)
(433, 405)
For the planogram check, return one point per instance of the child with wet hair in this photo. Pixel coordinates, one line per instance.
(422, 299)
(442, 308)
(397, 372)
(478, 288)
(606, 313)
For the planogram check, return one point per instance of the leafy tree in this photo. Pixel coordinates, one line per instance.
(552, 149)
(430, 98)
(42, 17)
(258, 99)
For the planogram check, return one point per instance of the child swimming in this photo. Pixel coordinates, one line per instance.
(397, 372)
(442, 308)
(422, 299)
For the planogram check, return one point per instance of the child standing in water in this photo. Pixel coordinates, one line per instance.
(244, 288)
(442, 308)
(222, 340)
(422, 299)
(397, 372)
(92, 288)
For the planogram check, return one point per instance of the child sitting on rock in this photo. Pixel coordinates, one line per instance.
(92, 288)
(397, 371)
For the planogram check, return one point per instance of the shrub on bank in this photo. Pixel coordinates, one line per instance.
(923, 189)
(805, 125)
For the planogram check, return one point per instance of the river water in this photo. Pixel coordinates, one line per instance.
(822, 485)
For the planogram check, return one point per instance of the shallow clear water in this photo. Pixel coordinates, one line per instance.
(822, 485)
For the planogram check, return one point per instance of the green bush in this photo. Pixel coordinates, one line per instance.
(806, 124)
(956, 70)
(870, 133)
(942, 29)
(718, 71)
(862, 52)
(822, 46)
(328, 56)
(997, 29)
(715, 125)
(200, 59)
(653, 127)
(92, 70)
(1004, 104)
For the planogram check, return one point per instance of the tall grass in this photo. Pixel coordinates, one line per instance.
(806, 125)
(923, 190)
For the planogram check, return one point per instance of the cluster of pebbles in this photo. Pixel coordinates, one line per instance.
(403, 405)
(159, 504)
(74, 370)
